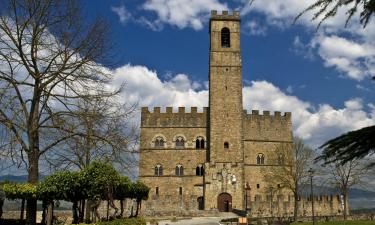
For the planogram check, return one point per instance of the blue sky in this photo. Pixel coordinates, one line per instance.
(321, 76)
(269, 51)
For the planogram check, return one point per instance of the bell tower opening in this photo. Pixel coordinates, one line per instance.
(225, 38)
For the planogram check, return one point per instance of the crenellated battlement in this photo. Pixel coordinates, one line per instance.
(170, 118)
(169, 110)
(267, 126)
(235, 15)
(266, 114)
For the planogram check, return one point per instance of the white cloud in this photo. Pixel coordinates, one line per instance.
(181, 13)
(314, 124)
(253, 27)
(348, 50)
(355, 59)
(122, 13)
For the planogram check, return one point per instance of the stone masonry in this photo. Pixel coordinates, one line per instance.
(215, 159)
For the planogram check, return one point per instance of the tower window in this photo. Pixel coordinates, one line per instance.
(179, 170)
(225, 38)
(258, 186)
(180, 142)
(158, 170)
(226, 145)
(199, 171)
(199, 143)
(180, 191)
(159, 142)
(260, 159)
(157, 191)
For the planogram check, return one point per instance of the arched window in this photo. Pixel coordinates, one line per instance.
(260, 159)
(159, 142)
(158, 170)
(199, 171)
(225, 38)
(281, 159)
(226, 145)
(179, 170)
(180, 142)
(199, 143)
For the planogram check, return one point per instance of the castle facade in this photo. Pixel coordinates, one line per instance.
(215, 159)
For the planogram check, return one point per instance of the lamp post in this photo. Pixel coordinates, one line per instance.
(311, 173)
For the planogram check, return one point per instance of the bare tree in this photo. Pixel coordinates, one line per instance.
(344, 176)
(48, 60)
(108, 132)
(290, 170)
(108, 135)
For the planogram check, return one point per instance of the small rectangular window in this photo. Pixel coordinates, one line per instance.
(258, 186)
(157, 191)
(180, 191)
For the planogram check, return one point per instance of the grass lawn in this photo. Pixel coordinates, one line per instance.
(358, 222)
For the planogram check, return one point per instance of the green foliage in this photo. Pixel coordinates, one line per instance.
(2, 194)
(352, 145)
(328, 8)
(139, 191)
(61, 186)
(100, 180)
(19, 191)
(122, 190)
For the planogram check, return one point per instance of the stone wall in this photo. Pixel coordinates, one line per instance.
(169, 125)
(323, 206)
(173, 119)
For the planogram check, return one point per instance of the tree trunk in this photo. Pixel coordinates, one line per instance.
(295, 207)
(1, 207)
(75, 213)
(136, 212)
(122, 208)
(22, 209)
(82, 211)
(88, 211)
(346, 203)
(50, 213)
(107, 210)
(44, 213)
(33, 170)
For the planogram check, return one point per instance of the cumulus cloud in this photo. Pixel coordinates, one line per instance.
(315, 124)
(253, 27)
(348, 50)
(122, 13)
(353, 58)
(181, 13)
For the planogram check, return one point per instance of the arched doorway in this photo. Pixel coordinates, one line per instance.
(224, 202)
(200, 203)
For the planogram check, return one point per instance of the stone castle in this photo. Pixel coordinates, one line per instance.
(215, 159)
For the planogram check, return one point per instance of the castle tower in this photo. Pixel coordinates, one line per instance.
(223, 189)
(225, 100)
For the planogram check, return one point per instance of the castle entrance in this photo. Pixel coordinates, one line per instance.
(224, 202)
